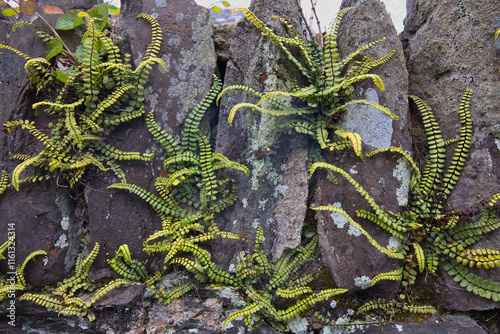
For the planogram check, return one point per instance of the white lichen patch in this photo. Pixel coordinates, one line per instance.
(338, 219)
(497, 141)
(280, 189)
(333, 304)
(255, 223)
(161, 3)
(262, 204)
(45, 260)
(482, 157)
(244, 202)
(394, 242)
(298, 325)
(62, 242)
(403, 173)
(364, 282)
(374, 126)
(353, 231)
(353, 170)
(399, 327)
(65, 223)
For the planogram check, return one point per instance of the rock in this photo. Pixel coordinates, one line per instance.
(117, 217)
(434, 324)
(442, 64)
(385, 176)
(255, 62)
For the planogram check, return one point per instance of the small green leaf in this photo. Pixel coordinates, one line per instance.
(114, 9)
(54, 47)
(216, 9)
(61, 75)
(226, 4)
(100, 15)
(69, 21)
(52, 10)
(10, 12)
(28, 7)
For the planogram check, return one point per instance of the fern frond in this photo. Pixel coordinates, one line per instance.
(395, 275)
(20, 269)
(355, 139)
(156, 36)
(370, 103)
(4, 183)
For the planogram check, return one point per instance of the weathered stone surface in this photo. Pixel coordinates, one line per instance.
(442, 64)
(255, 63)
(434, 324)
(118, 217)
(348, 254)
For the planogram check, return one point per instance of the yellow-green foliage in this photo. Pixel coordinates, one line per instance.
(428, 230)
(75, 295)
(329, 86)
(88, 100)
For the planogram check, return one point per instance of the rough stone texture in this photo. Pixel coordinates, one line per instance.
(442, 64)
(117, 217)
(254, 63)
(44, 216)
(435, 324)
(385, 176)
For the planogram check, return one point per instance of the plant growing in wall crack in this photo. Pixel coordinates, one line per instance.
(428, 230)
(97, 92)
(329, 86)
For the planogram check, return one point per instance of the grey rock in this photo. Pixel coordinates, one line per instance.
(450, 47)
(255, 62)
(459, 324)
(386, 176)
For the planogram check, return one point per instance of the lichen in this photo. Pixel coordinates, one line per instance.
(373, 125)
(364, 282)
(298, 325)
(402, 172)
(338, 219)
(62, 242)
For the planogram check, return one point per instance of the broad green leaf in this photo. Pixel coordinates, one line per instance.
(54, 47)
(69, 21)
(216, 9)
(52, 10)
(10, 12)
(61, 75)
(114, 9)
(100, 15)
(226, 4)
(28, 7)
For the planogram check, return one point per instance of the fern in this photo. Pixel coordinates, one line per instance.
(98, 94)
(427, 230)
(329, 84)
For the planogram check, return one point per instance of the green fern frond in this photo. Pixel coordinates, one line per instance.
(20, 269)
(4, 183)
(394, 275)
(156, 37)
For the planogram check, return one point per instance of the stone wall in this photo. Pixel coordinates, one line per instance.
(446, 46)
